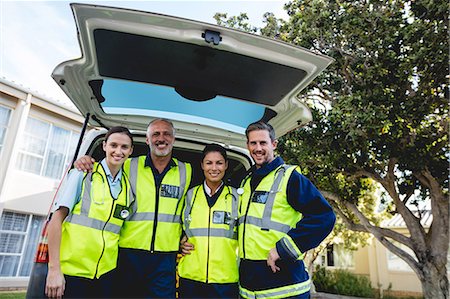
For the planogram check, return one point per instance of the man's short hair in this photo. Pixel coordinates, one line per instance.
(260, 125)
(163, 120)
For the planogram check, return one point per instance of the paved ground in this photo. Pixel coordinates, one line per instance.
(331, 296)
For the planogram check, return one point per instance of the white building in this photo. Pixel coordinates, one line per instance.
(38, 138)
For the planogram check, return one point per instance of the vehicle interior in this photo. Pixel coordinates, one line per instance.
(186, 151)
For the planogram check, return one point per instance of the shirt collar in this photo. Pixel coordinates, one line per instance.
(268, 167)
(208, 190)
(108, 172)
(149, 162)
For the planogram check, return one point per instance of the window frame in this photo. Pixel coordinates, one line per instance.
(6, 126)
(72, 138)
(26, 234)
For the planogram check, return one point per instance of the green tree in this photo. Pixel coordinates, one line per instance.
(384, 117)
(380, 112)
(237, 22)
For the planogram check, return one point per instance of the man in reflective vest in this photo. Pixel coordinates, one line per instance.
(149, 240)
(281, 216)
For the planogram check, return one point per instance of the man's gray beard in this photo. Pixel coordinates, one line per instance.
(160, 153)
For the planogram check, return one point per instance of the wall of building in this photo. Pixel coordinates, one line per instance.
(26, 193)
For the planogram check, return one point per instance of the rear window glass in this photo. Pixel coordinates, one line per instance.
(133, 98)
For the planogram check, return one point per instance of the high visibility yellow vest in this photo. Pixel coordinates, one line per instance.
(155, 223)
(213, 232)
(266, 216)
(90, 233)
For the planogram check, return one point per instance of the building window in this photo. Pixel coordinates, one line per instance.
(5, 115)
(46, 149)
(338, 256)
(395, 262)
(19, 234)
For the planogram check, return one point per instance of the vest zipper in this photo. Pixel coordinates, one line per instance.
(207, 256)
(155, 221)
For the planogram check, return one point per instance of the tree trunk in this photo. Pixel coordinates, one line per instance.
(434, 282)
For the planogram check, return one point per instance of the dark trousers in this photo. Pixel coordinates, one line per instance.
(80, 287)
(195, 289)
(141, 274)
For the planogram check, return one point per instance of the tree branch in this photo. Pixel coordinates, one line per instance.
(439, 229)
(403, 254)
(365, 225)
(411, 221)
(408, 195)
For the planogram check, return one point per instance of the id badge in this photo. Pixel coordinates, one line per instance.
(260, 197)
(170, 191)
(221, 217)
(218, 217)
(121, 212)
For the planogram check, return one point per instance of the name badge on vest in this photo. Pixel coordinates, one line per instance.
(121, 212)
(221, 217)
(260, 197)
(170, 191)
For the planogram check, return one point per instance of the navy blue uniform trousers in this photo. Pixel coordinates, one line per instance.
(195, 289)
(141, 274)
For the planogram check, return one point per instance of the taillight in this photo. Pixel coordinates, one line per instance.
(42, 249)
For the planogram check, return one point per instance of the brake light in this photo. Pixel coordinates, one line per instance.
(42, 249)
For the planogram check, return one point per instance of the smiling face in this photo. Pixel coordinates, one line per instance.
(160, 138)
(261, 147)
(214, 167)
(118, 147)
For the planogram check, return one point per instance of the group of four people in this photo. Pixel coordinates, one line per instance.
(117, 229)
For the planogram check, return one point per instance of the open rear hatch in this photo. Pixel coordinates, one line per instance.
(209, 80)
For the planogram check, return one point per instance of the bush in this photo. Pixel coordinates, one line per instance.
(342, 282)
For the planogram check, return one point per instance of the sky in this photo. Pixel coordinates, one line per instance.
(35, 36)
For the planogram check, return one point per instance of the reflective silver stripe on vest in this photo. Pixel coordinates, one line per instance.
(289, 248)
(83, 219)
(187, 211)
(268, 207)
(234, 210)
(214, 232)
(133, 181)
(266, 221)
(150, 216)
(86, 200)
(94, 223)
(277, 226)
(182, 171)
